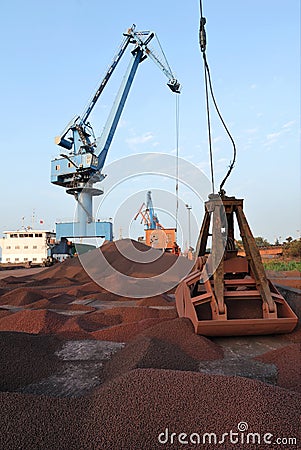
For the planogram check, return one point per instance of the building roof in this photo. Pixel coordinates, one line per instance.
(28, 231)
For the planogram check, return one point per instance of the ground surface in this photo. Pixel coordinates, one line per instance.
(82, 368)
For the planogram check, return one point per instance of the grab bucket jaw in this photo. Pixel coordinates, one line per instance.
(226, 294)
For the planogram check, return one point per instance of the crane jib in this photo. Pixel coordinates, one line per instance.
(105, 80)
(109, 131)
(78, 169)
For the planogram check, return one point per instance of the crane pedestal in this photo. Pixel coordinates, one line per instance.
(227, 294)
(85, 225)
(84, 194)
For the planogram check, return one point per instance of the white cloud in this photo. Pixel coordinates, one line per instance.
(122, 123)
(273, 136)
(155, 144)
(202, 165)
(189, 157)
(174, 151)
(289, 124)
(217, 139)
(251, 130)
(140, 140)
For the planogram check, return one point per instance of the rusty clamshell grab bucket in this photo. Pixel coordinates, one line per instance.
(227, 294)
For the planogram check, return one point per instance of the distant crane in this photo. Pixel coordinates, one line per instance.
(147, 212)
(81, 164)
(155, 234)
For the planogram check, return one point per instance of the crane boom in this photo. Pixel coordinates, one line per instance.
(108, 133)
(154, 221)
(78, 170)
(108, 74)
(147, 212)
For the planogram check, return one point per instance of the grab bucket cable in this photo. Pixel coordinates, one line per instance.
(203, 43)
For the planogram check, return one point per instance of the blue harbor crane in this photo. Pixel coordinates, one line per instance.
(147, 212)
(80, 163)
(155, 234)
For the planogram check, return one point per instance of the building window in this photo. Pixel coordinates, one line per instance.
(8, 247)
(16, 259)
(57, 167)
(38, 235)
(25, 246)
(25, 259)
(7, 259)
(34, 259)
(35, 247)
(17, 247)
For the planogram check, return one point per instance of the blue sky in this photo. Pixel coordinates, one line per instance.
(55, 53)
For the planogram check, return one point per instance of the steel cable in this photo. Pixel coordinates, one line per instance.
(208, 79)
(177, 158)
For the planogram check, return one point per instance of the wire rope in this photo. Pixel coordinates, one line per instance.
(207, 76)
(177, 157)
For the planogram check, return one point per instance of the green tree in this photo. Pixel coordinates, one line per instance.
(261, 242)
(293, 248)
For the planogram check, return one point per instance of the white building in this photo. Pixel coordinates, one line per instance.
(25, 246)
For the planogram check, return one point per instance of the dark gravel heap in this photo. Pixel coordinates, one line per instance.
(288, 362)
(33, 321)
(30, 422)
(158, 300)
(25, 358)
(22, 296)
(180, 332)
(5, 312)
(97, 320)
(187, 402)
(125, 332)
(146, 352)
(295, 336)
(131, 411)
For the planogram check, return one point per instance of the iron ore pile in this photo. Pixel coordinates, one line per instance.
(86, 368)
